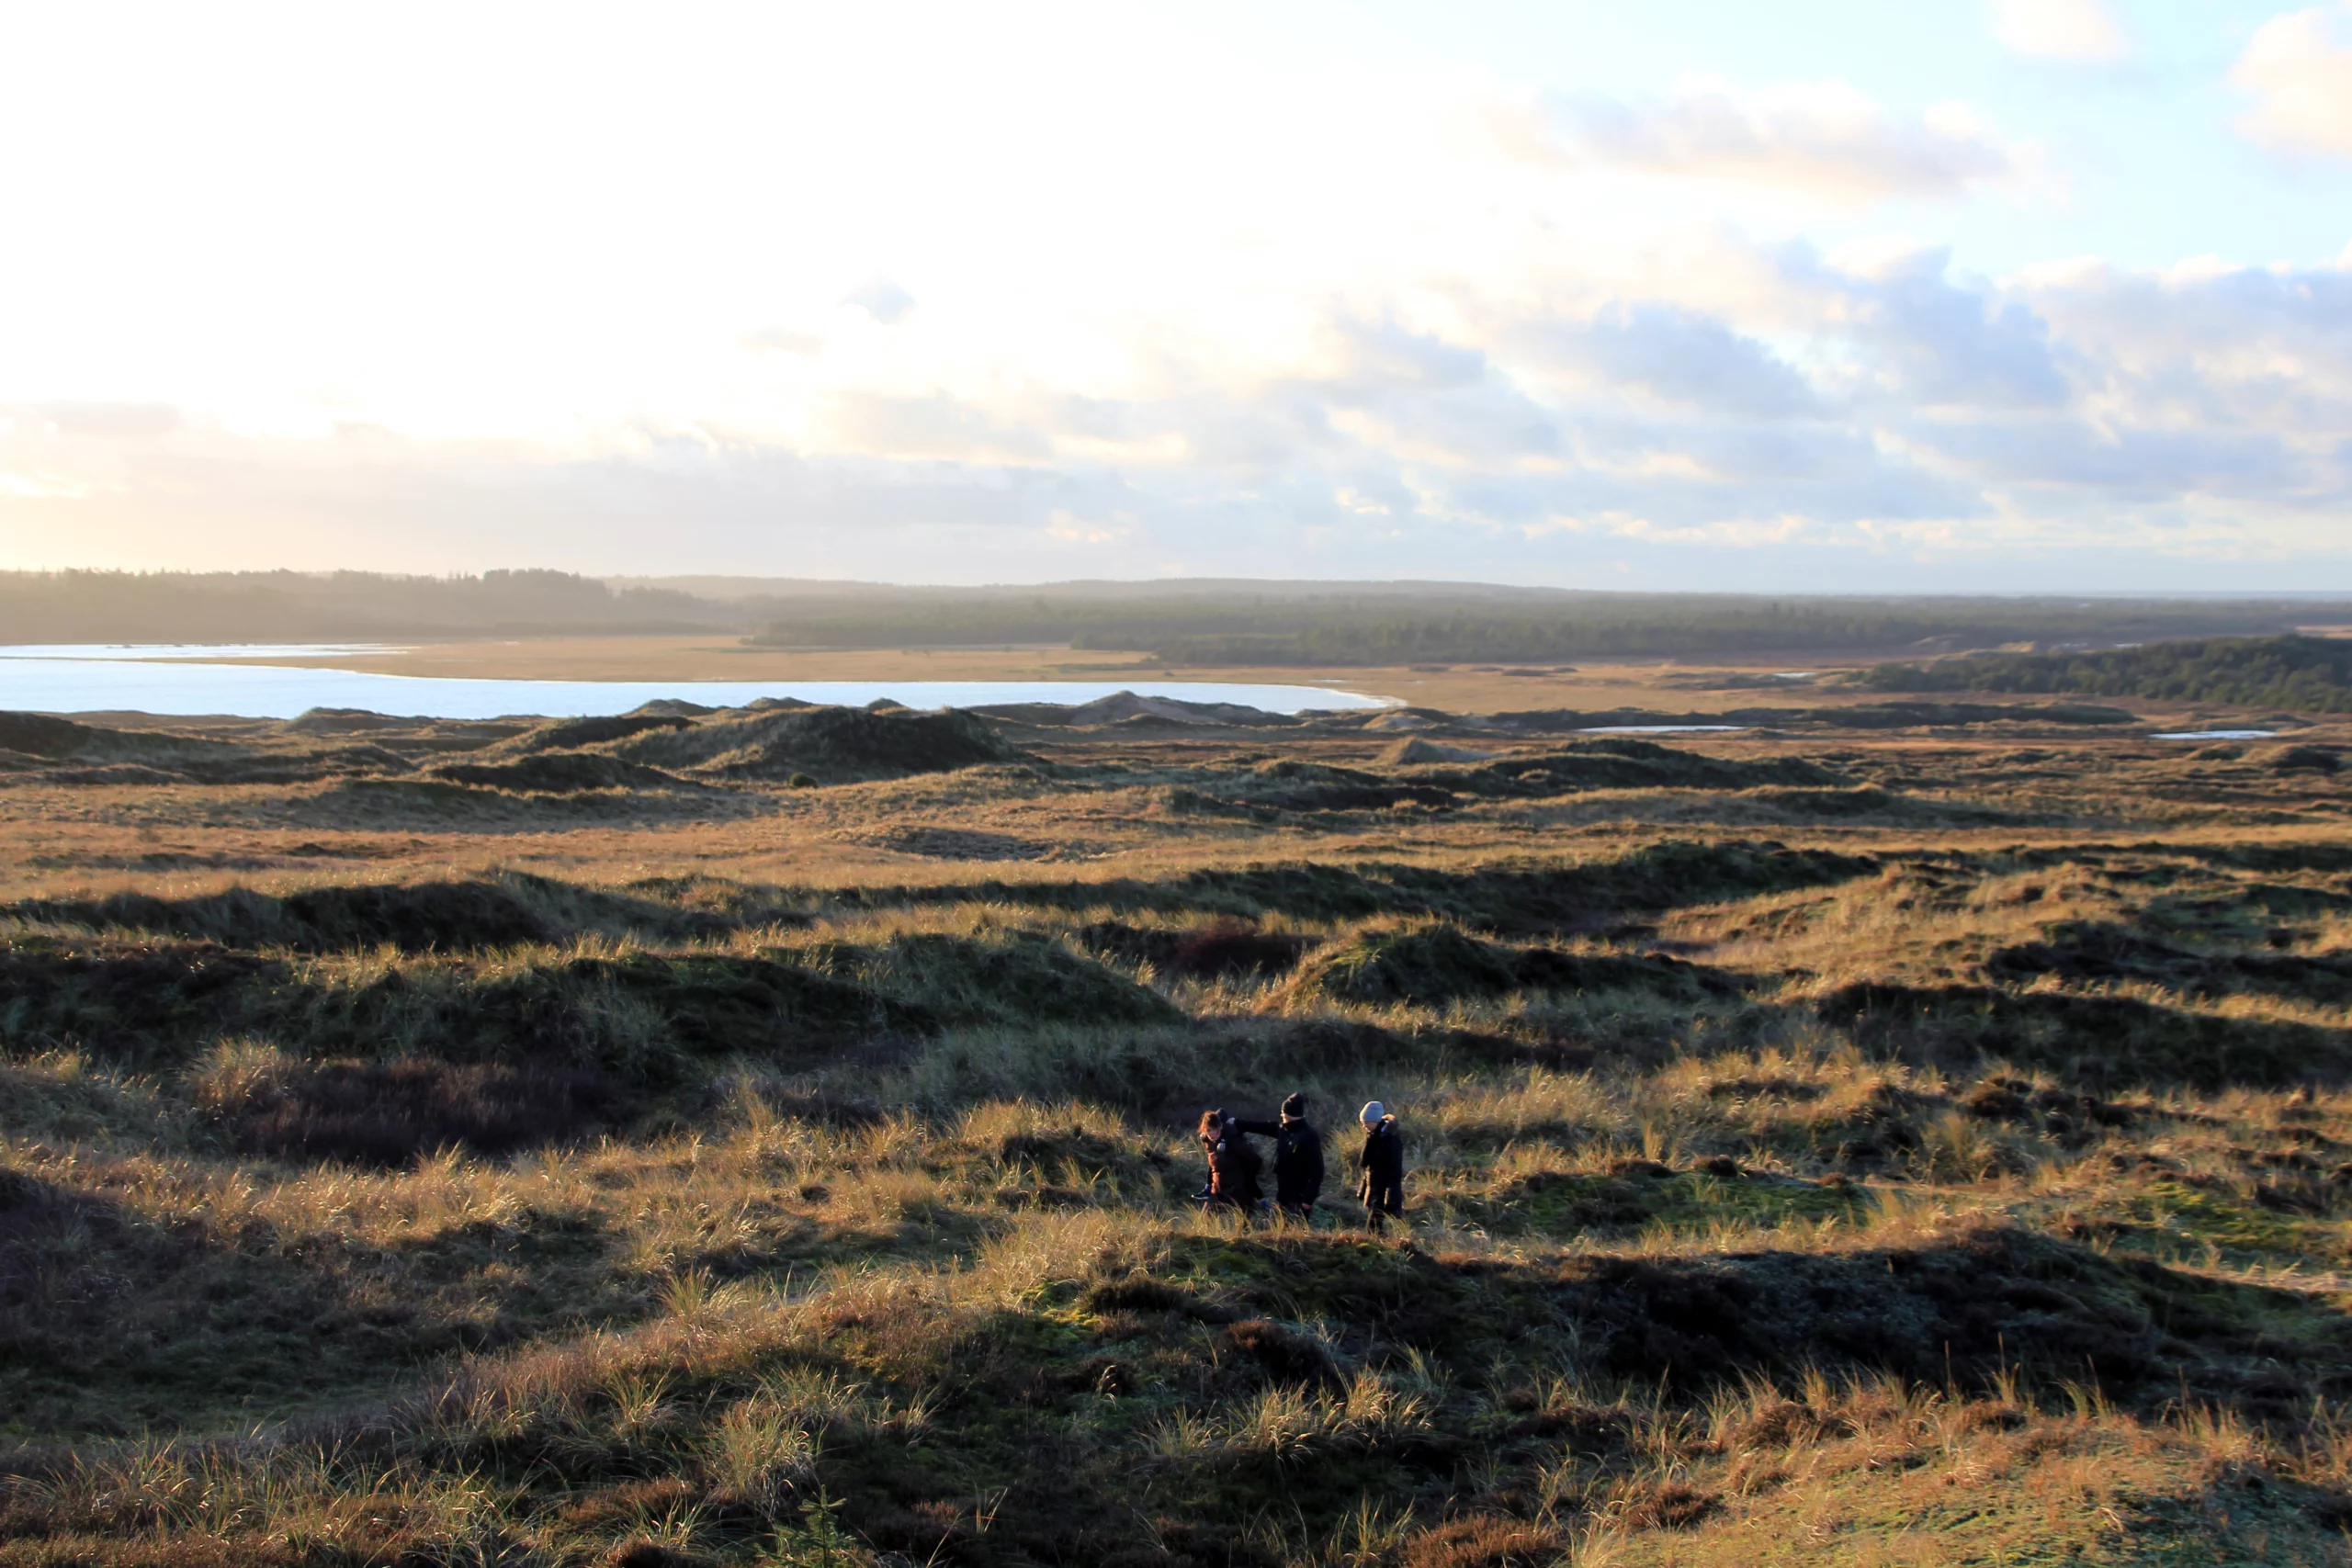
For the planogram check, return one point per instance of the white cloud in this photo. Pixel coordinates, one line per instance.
(782, 340)
(2300, 74)
(2056, 30)
(1834, 410)
(881, 298)
(1683, 357)
(1824, 138)
(937, 427)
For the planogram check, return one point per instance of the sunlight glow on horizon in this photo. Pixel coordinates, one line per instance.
(924, 292)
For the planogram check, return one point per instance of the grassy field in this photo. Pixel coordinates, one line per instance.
(763, 1138)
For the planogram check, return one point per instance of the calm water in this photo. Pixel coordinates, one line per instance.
(242, 681)
(2217, 735)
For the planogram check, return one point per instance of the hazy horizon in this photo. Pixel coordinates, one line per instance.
(2029, 296)
(726, 585)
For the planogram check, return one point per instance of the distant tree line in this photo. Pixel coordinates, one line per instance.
(1192, 622)
(290, 606)
(2306, 674)
(1242, 630)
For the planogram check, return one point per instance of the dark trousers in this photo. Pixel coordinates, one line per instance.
(1383, 1199)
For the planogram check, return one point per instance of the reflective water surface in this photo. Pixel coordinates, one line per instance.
(186, 680)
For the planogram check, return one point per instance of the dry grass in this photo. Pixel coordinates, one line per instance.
(1963, 1177)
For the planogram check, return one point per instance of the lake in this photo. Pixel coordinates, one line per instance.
(191, 680)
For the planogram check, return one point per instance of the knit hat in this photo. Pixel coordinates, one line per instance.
(1294, 1106)
(1372, 1112)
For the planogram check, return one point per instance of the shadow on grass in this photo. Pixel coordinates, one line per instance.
(638, 1016)
(113, 1322)
(1506, 900)
(2106, 953)
(2096, 1041)
(419, 917)
(388, 1113)
(1961, 1312)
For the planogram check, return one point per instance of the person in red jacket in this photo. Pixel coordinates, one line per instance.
(1381, 1188)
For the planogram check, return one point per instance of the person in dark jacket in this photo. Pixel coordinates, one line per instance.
(1298, 1160)
(1212, 1122)
(1233, 1164)
(1381, 1187)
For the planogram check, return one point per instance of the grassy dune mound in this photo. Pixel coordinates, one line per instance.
(1417, 751)
(530, 799)
(1433, 964)
(832, 744)
(642, 751)
(2110, 953)
(1016, 979)
(1416, 963)
(1520, 895)
(1221, 949)
(389, 1112)
(39, 738)
(1618, 763)
(416, 917)
(2100, 1039)
(1294, 786)
(36, 735)
(560, 772)
(640, 1014)
(1126, 708)
(1288, 785)
(571, 734)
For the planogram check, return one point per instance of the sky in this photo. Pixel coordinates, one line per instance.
(1819, 296)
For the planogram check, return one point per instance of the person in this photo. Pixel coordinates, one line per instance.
(1381, 1189)
(1298, 1160)
(1233, 1164)
(1211, 1122)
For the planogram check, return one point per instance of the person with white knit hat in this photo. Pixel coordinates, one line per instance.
(1381, 1189)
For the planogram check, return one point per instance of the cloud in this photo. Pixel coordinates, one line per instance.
(1825, 421)
(1382, 354)
(2208, 349)
(936, 428)
(1680, 356)
(782, 340)
(113, 421)
(1825, 140)
(2056, 30)
(881, 298)
(1930, 342)
(2299, 75)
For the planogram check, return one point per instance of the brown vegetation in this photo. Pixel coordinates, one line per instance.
(1891, 1145)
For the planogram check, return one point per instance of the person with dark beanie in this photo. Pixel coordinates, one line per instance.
(1298, 1160)
(1381, 1189)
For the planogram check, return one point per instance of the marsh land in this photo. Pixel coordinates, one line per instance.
(1916, 1128)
